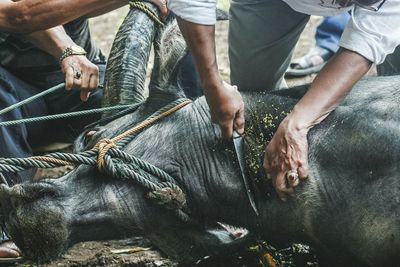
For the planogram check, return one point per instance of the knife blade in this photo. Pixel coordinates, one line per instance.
(238, 143)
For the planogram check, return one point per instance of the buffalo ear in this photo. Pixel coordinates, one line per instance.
(10, 198)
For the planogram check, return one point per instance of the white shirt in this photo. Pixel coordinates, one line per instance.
(372, 34)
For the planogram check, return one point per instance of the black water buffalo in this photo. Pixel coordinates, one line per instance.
(348, 207)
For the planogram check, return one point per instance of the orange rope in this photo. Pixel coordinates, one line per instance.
(148, 122)
(52, 160)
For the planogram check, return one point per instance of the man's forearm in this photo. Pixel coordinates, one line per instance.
(31, 15)
(329, 88)
(53, 41)
(201, 41)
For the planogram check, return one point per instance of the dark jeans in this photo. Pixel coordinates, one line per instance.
(330, 30)
(15, 141)
(189, 77)
(391, 66)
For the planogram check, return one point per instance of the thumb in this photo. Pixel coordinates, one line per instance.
(84, 95)
(226, 129)
(239, 122)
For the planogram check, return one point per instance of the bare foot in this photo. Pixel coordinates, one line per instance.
(9, 250)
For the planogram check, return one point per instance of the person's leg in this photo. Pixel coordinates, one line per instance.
(328, 33)
(327, 38)
(14, 139)
(189, 78)
(262, 35)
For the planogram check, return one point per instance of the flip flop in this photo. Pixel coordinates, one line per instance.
(11, 260)
(311, 63)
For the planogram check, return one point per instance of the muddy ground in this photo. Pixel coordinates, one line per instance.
(140, 252)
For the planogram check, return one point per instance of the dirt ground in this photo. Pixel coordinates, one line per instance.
(137, 251)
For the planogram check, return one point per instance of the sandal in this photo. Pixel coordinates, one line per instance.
(8, 247)
(311, 63)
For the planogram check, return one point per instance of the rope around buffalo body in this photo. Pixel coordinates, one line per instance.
(108, 157)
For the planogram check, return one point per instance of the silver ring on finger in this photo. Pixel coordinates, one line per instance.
(77, 75)
(292, 175)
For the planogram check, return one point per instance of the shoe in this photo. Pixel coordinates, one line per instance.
(312, 62)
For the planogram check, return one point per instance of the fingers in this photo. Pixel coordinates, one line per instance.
(292, 180)
(226, 129)
(226, 108)
(285, 161)
(281, 187)
(84, 95)
(94, 81)
(266, 164)
(303, 170)
(80, 74)
(69, 78)
(85, 81)
(238, 123)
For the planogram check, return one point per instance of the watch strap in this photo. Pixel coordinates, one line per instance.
(69, 51)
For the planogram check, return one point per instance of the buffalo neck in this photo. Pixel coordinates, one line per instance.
(210, 174)
(95, 207)
(263, 114)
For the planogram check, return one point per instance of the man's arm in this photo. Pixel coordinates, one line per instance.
(31, 15)
(288, 149)
(54, 41)
(225, 102)
(25, 16)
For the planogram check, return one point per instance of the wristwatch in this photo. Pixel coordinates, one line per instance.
(73, 50)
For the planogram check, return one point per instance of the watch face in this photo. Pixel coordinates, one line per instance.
(78, 49)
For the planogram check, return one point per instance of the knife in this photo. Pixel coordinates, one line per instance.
(238, 143)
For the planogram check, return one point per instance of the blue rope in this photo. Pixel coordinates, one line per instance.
(54, 116)
(64, 115)
(32, 98)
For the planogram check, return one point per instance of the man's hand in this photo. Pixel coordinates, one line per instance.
(162, 6)
(227, 109)
(80, 74)
(225, 102)
(287, 151)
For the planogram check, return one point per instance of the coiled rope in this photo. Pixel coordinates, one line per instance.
(108, 157)
(138, 4)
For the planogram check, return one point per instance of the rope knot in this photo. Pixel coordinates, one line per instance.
(104, 145)
(171, 197)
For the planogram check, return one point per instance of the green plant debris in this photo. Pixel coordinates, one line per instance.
(261, 124)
